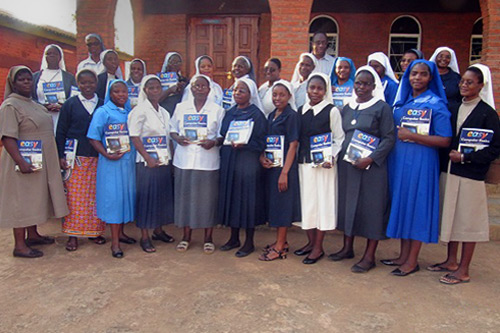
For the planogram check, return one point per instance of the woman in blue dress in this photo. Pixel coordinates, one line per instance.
(241, 190)
(381, 64)
(414, 164)
(282, 182)
(342, 78)
(115, 183)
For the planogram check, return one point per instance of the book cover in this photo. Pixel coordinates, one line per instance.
(31, 151)
(117, 139)
(417, 120)
(157, 147)
(239, 132)
(361, 146)
(275, 149)
(195, 127)
(321, 149)
(133, 95)
(474, 139)
(340, 93)
(168, 79)
(74, 91)
(227, 98)
(54, 92)
(70, 148)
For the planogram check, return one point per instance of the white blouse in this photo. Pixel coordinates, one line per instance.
(88, 63)
(193, 156)
(266, 96)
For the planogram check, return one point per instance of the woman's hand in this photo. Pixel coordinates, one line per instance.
(152, 162)
(53, 107)
(207, 144)
(363, 163)
(63, 164)
(455, 156)
(283, 182)
(326, 165)
(114, 156)
(265, 162)
(26, 167)
(236, 145)
(405, 134)
(182, 140)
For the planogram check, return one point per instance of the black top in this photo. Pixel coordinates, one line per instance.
(476, 163)
(287, 124)
(450, 85)
(74, 121)
(102, 80)
(311, 125)
(67, 78)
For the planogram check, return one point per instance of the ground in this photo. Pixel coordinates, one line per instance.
(90, 291)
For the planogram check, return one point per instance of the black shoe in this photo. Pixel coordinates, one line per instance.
(399, 272)
(117, 254)
(241, 254)
(42, 240)
(163, 236)
(128, 240)
(302, 252)
(339, 256)
(358, 269)
(34, 253)
(389, 262)
(147, 246)
(310, 261)
(228, 246)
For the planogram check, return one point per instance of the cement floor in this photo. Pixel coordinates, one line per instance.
(89, 291)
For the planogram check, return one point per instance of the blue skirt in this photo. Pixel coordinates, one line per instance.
(283, 208)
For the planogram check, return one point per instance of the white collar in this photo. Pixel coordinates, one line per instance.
(361, 106)
(316, 108)
(93, 100)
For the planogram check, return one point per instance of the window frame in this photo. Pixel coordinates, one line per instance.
(329, 35)
(418, 38)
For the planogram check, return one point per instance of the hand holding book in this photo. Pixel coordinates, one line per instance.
(455, 156)
(363, 163)
(404, 134)
(207, 144)
(114, 156)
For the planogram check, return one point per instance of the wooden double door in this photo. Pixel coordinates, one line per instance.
(223, 38)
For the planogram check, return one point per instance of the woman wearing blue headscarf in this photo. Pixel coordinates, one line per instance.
(414, 163)
(115, 182)
(342, 78)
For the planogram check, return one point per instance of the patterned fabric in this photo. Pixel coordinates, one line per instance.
(80, 187)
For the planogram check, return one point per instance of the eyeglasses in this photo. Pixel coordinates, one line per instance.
(200, 86)
(467, 83)
(93, 44)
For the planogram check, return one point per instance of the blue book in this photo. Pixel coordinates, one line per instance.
(195, 127)
(31, 151)
(157, 147)
(339, 94)
(227, 99)
(133, 94)
(321, 149)
(417, 120)
(239, 132)
(362, 145)
(474, 139)
(117, 139)
(275, 149)
(54, 92)
(168, 79)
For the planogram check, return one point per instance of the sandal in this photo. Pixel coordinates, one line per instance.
(147, 246)
(42, 240)
(34, 253)
(452, 280)
(272, 254)
(208, 248)
(117, 254)
(128, 240)
(71, 247)
(438, 268)
(163, 236)
(182, 246)
(269, 246)
(99, 240)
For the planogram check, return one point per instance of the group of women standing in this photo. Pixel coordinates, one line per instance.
(393, 192)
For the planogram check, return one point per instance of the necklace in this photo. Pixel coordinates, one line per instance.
(355, 116)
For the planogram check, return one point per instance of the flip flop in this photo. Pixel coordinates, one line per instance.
(438, 268)
(71, 248)
(182, 246)
(99, 240)
(208, 248)
(452, 280)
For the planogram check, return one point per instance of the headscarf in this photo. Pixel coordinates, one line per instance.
(296, 74)
(9, 85)
(85, 70)
(45, 65)
(96, 36)
(418, 53)
(251, 71)
(191, 83)
(453, 63)
(167, 58)
(378, 91)
(288, 87)
(334, 78)
(381, 58)
(254, 92)
(486, 93)
(212, 94)
(142, 94)
(143, 66)
(328, 95)
(107, 99)
(118, 72)
(405, 90)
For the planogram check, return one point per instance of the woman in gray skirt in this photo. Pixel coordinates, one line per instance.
(195, 127)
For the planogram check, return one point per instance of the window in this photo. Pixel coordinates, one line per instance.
(405, 35)
(325, 24)
(476, 42)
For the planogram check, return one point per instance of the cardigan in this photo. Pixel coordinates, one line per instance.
(67, 78)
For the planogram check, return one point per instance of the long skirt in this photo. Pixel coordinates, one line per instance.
(155, 196)
(82, 220)
(196, 193)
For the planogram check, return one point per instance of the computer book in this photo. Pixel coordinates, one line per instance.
(239, 132)
(417, 120)
(227, 98)
(31, 151)
(168, 79)
(195, 127)
(133, 95)
(340, 94)
(70, 148)
(321, 149)
(157, 148)
(275, 150)
(362, 145)
(117, 139)
(474, 139)
(54, 92)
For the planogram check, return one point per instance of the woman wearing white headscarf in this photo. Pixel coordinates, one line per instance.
(204, 66)
(447, 65)
(272, 69)
(137, 70)
(318, 184)
(53, 70)
(380, 62)
(305, 67)
(196, 163)
(465, 210)
(241, 191)
(173, 95)
(241, 67)
(363, 185)
(154, 183)
(111, 62)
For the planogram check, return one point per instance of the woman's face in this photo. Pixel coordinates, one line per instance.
(111, 62)
(316, 90)
(241, 94)
(443, 59)
(240, 68)
(420, 77)
(407, 59)
(94, 46)
(343, 70)
(377, 66)
(206, 67)
(200, 88)
(281, 96)
(119, 94)
(306, 66)
(364, 84)
(22, 83)
(469, 85)
(136, 71)
(174, 64)
(271, 71)
(87, 84)
(153, 90)
(52, 56)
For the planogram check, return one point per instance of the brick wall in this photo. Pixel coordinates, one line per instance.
(491, 42)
